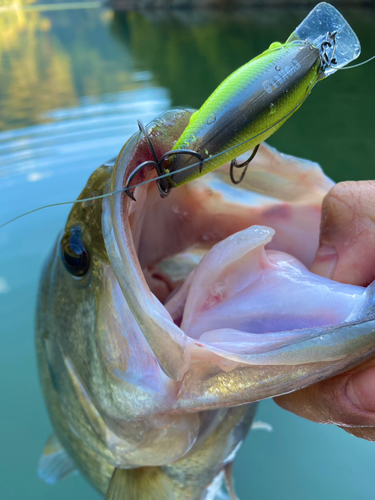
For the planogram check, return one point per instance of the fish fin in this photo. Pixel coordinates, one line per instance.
(55, 463)
(258, 425)
(228, 474)
(146, 483)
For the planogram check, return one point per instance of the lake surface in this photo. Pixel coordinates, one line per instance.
(72, 85)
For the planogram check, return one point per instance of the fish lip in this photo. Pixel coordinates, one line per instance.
(168, 342)
(163, 336)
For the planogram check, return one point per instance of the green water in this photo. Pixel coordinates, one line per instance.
(72, 85)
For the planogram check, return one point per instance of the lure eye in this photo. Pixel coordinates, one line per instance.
(74, 254)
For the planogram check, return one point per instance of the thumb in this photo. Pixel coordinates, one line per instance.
(347, 235)
(347, 254)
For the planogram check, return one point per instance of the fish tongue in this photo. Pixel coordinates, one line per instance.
(214, 289)
(240, 288)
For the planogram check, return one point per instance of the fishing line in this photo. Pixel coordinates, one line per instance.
(359, 64)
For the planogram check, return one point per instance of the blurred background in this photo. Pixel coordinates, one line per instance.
(74, 78)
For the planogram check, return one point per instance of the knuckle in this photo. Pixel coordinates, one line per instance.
(338, 205)
(343, 193)
(348, 209)
(342, 200)
(338, 409)
(350, 195)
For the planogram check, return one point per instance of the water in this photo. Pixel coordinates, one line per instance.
(72, 85)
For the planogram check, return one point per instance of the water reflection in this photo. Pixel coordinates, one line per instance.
(191, 52)
(50, 60)
(35, 73)
(63, 154)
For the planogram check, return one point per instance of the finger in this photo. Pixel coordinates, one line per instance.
(347, 400)
(346, 254)
(347, 239)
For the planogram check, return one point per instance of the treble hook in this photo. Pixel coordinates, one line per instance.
(233, 165)
(162, 182)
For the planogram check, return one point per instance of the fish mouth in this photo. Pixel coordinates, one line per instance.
(216, 266)
(219, 273)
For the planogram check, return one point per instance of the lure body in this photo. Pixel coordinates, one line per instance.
(253, 102)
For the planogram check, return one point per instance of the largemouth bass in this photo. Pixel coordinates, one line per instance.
(162, 322)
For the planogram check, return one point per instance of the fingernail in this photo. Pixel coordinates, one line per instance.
(325, 261)
(361, 390)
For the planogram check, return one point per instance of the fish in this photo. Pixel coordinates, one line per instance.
(162, 322)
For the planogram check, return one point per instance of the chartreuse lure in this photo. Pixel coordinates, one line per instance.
(257, 99)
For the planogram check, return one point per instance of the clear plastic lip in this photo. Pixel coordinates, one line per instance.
(324, 19)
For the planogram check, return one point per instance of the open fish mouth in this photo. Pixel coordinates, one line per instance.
(223, 291)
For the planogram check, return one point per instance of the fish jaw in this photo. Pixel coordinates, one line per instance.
(204, 213)
(165, 339)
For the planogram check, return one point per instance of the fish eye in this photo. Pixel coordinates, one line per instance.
(74, 255)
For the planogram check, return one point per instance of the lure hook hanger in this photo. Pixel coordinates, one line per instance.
(162, 183)
(244, 165)
(329, 43)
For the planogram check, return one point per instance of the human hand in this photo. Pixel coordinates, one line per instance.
(346, 254)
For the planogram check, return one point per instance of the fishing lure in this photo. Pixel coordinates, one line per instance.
(256, 100)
